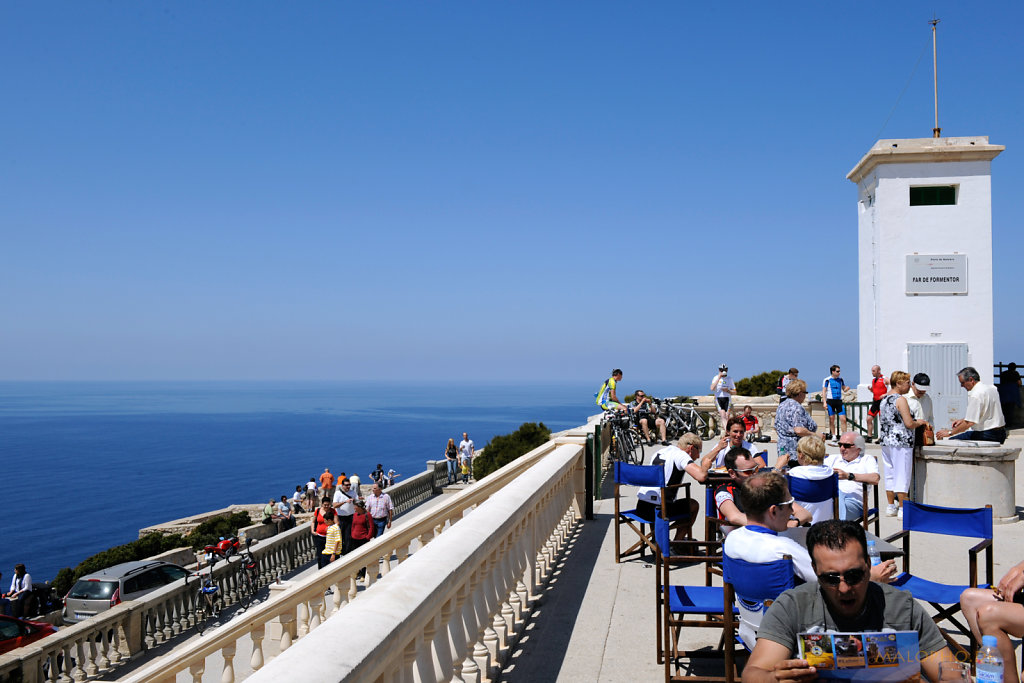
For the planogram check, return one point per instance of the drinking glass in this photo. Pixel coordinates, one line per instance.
(954, 672)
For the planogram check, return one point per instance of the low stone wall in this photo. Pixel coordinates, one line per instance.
(968, 474)
(185, 525)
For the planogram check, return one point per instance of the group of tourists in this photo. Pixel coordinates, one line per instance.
(348, 520)
(843, 590)
(459, 459)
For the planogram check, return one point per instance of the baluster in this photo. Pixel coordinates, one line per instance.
(407, 674)
(303, 619)
(425, 653)
(148, 637)
(122, 652)
(385, 566)
(228, 653)
(197, 669)
(338, 598)
(287, 619)
(403, 553)
(353, 588)
(316, 604)
(167, 617)
(443, 658)
(175, 611)
(78, 673)
(257, 634)
(102, 661)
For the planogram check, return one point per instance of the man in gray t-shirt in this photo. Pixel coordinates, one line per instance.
(842, 600)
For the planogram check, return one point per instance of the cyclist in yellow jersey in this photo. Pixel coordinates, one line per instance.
(606, 397)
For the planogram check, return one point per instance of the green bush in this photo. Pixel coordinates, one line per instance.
(759, 385)
(505, 448)
(207, 533)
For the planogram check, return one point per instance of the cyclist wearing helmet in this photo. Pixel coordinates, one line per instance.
(724, 388)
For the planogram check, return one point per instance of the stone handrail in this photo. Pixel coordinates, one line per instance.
(299, 608)
(453, 611)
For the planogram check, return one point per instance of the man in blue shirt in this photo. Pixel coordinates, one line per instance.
(832, 391)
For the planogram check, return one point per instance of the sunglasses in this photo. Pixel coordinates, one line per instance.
(787, 502)
(846, 445)
(852, 577)
(748, 469)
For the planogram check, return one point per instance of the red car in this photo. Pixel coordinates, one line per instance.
(15, 633)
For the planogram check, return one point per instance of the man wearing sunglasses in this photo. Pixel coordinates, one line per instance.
(854, 467)
(843, 599)
(741, 466)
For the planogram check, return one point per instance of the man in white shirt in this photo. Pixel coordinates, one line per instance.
(984, 419)
(678, 460)
(918, 399)
(724, 388)
(854, 467)
(467, 451)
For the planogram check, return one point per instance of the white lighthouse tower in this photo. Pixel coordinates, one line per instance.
(925, 262)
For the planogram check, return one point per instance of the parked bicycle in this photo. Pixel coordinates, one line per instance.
(247, 578)
(627, 442)
(683, 418)
(209, 601)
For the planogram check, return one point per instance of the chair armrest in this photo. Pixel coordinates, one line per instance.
(972, 555)
(898, 534)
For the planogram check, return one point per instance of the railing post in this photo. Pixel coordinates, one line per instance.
(590, 495)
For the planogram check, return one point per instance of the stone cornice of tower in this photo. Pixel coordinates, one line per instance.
(919, 150)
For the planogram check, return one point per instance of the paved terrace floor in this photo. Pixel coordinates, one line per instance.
(596, 619)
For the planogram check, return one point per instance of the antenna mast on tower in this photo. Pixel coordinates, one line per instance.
(936, 131)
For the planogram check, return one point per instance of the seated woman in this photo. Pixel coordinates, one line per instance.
(993, 612)
(810, 452)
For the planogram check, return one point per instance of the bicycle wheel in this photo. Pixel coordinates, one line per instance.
(245, 589)
(203, 607)
(637, 454)
(622, 445)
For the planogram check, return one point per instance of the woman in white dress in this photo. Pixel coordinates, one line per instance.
(896, 434)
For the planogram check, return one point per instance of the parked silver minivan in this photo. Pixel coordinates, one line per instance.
(99, 591)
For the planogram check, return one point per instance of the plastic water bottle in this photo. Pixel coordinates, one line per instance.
(873, 554)
(989, 661)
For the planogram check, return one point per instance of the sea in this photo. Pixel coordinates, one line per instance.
(88, 464)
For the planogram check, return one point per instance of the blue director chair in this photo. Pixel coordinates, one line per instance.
(945, 598)
(755, 585)
(816, 491)
(627, 474)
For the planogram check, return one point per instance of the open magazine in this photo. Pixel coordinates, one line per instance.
(891, 656)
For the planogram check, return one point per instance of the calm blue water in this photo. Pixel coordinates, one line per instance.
(86, 465)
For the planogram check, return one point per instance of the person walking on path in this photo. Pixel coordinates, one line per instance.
(332, 547)
(380, 507)
(832, 388)
(362, 530)
(344, 508)
(879, 388)
(467, 451)
(896, 434)
(327, 483)
(318, 527)
(792, 422)
(311, 495)
(451, 455)
(724, 388)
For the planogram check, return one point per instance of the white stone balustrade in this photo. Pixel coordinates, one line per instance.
(454, 609)
(298, 612)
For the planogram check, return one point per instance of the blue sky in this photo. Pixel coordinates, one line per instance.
(265, 190)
